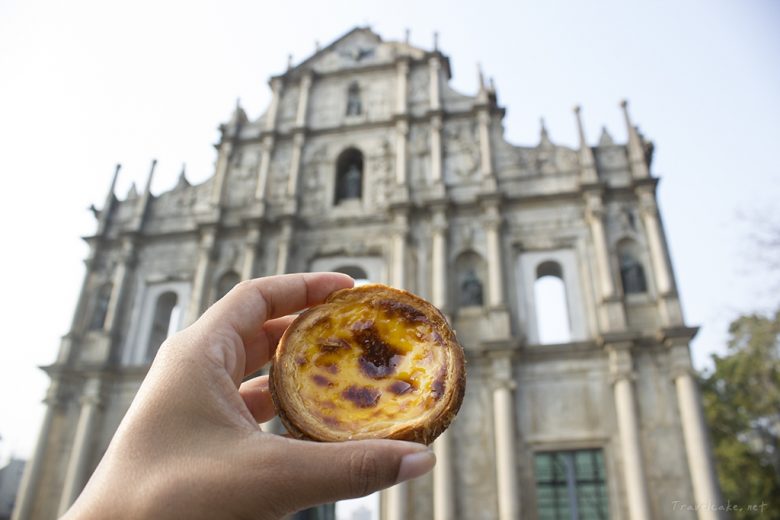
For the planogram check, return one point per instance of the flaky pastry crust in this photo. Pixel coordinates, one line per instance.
(370, 362)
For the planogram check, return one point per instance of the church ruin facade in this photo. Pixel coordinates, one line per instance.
(367, 162)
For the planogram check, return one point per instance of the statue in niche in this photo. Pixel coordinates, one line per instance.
(470, 290)
(632, 274)
(354, 106)
(351, 184)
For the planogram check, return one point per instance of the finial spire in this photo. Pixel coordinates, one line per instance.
(580, 129)
(435, 40)
(636, 152)
(289, 61)
(588, 172)
(407, 34)
(151, 175)
(480, 77)
(317, 46)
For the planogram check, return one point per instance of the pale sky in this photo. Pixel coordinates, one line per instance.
(87, 84)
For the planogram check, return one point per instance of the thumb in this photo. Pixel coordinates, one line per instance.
(316, 473)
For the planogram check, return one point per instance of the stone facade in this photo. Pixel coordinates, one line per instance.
(440, 205)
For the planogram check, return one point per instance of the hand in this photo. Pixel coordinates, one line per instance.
(190, 445)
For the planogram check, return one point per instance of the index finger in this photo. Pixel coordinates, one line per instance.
(253, 302)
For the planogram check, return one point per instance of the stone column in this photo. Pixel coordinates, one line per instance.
(76, 472)
(220, 176)
(706, 490)
(283, 251)
(295, 163)
(492, 221)
(505, 440)
(443, 486)
(402, 75)
(435, 91)
(200, 279)
(621, 371)
(401, 132)
(119, 286)
(250, 253)
(28, 487)
(265, 165)
(649, 212)
(486, 156)
(594, 214)
(398, 273)
(436, 159)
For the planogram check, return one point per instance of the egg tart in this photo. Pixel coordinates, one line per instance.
(371, 362)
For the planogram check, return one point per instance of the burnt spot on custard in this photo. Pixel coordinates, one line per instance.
(333, 345)
(321, 380)
(403, 311)
(361, 396)
(378, 359)
(400, 387)
(300, 361)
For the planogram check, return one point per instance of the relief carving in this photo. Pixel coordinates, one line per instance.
(461, 149)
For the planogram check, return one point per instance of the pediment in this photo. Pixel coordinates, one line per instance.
(360, 47)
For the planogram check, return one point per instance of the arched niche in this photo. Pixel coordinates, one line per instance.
(349, 176)
(633, 276)
(469, 284)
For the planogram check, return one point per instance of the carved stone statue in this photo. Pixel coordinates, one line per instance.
(354, 106)
(632, 274)
(351, 183)
(470, 290)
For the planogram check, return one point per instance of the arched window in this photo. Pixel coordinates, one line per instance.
(357, 273)
(552, 311)
(164, 320)
(470, 276)
(349, 175)
(632, 273)
(354, 106)
(101, 307)
(226, 282)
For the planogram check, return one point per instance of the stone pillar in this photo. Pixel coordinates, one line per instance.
(396, 498)
(28, 487)
(398, 273)
(439, 259)
(443, 485)
(250, 253)
(436, 159)
(295, 164)
(706, 490)
(621, 371)
(283, 251)
(200, 279)
(401, 133)
(492, 221)
(75, 474)
(265, 165)
(435, 79)
(303, 100)
(485, 153)
(649, 212)
(594, 214)
(220, 176)
(119, 286)
(402, 79)
(505, 440)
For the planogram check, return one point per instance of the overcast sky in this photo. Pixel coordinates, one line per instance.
(87, 84)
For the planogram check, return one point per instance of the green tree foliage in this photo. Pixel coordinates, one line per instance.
(741, 398)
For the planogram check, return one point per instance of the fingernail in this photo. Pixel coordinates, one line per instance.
(415, 464)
